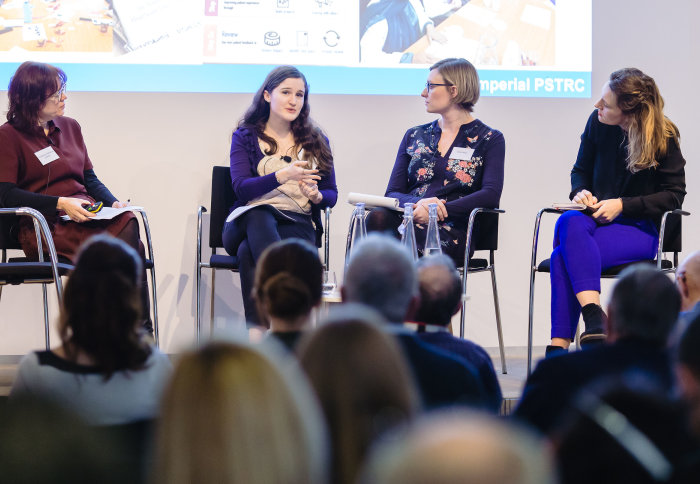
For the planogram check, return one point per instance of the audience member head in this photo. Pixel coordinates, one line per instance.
(41, 443)
(625, 429)
(381, 275)
(440, 290)
(233, 414)
(460, 447)
(287, 285)
(362, 382)
(461, 76)
(101, 309)
(644, 305)
(688, 371)
(688, 280)
(648, 130)
(33, 86)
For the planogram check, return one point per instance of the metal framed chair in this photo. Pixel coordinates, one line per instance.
(149, 264)
(482, 236)
(22, 270)
(669, 242)
(484, 239)
(222, 199)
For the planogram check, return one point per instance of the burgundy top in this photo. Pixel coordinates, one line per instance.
(62, 177)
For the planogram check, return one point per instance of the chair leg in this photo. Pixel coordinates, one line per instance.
(47, 327)
(530, 317)
(154, 301)
(497, 307)
(463, 312)
(198, 316)
(213, 298)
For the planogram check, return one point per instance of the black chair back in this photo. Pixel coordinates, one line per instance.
(222, 199)
(673, 239)
(485, 236)
(9, 228)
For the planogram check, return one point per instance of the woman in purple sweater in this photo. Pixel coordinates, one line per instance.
(456, 161)
(282, 173)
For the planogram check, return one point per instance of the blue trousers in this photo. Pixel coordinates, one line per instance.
(582, 249)
(250, 234)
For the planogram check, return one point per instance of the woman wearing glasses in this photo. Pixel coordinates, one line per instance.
(456, 161)
(282, 174)
(44, 165)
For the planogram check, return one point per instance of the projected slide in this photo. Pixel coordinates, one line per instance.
(521, 47)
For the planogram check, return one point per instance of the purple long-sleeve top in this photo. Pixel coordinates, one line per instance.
(421, 171)
(248, 185)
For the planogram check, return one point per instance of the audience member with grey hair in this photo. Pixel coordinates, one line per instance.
(381, 275)
(461, 448)
(440, 290)
(642, 312)
(688, 283)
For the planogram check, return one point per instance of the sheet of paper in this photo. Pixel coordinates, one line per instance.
(108, 213)
(537, 16)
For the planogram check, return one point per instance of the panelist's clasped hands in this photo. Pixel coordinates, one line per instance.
(605, 210)
(306, 177)
(420, 209)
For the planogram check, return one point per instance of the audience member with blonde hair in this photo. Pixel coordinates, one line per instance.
(287, 288)
(362, 382)
(460, 447)
(232, 414)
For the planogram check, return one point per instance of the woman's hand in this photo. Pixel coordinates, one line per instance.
(119, 204)
(585, 197)
(607, 210)
(74, 208)
(310, 191)
(297, 171)
(420, 209)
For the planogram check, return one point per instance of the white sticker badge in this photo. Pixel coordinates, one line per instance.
(458, 153)
(46, 156)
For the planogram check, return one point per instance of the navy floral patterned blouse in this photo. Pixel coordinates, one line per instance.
(467, 176)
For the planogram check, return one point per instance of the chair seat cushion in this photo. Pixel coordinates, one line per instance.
(615, 270)
(219, 261)
(478, 264)
(20, 272)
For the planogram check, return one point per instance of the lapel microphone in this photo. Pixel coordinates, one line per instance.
(288, 159)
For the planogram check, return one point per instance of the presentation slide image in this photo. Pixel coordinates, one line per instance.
(319, 32)
(56, 26)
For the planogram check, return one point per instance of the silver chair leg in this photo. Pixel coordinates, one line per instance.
(47, 327)
(463, 312)
(198, 317)
(213, 298)
(154, 295)
(529, 321)
(497, 307)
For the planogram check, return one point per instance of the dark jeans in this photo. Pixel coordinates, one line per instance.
(253, 232)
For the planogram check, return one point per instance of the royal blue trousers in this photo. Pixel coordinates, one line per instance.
(582, 249)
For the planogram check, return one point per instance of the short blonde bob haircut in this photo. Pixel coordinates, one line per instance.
(462, 74)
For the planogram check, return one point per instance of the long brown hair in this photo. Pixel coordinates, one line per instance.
(101, 307)
(649, 130)
(30, 87)
(307, 135)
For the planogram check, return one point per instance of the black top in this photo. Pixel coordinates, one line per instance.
(289, 339)
(601, 168)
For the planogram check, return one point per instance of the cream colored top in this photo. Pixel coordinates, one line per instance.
(287, 196)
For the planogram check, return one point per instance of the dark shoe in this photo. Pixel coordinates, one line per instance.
(591, 337)
(554, 351)
(595, 320)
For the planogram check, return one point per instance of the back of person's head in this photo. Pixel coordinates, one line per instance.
(462, 74)
(460, 447)
(41, 443)
(381, 275)
(440, 290)
(361, 380)
(101, 308)
(644, 305)
(624, 429)
(233, 414)
(288, 279)
(688, 371)
(688, 279)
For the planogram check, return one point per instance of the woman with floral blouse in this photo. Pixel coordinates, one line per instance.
(456, 161)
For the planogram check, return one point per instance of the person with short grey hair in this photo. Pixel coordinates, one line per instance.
(381, 275)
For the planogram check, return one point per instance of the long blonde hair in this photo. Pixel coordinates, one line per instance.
(232, 414)
(649, 130)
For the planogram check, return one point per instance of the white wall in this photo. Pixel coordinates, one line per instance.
(158, 150)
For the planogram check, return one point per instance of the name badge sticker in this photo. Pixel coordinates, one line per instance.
(458, 153)
(46, 156)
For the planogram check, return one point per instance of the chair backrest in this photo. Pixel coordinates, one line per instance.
(9, 228)
(485, 236)
(222, 199)
(673, 237)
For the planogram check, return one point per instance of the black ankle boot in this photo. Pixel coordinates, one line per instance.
(595, 320)
(553, 350)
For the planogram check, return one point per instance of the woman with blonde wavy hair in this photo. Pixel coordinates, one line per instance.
(628, 172)
(233, 414)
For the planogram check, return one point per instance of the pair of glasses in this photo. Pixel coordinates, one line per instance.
(56, 97)
(431, 85)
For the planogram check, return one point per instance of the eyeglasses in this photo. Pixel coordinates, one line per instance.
(430, 85)
(56, 97)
